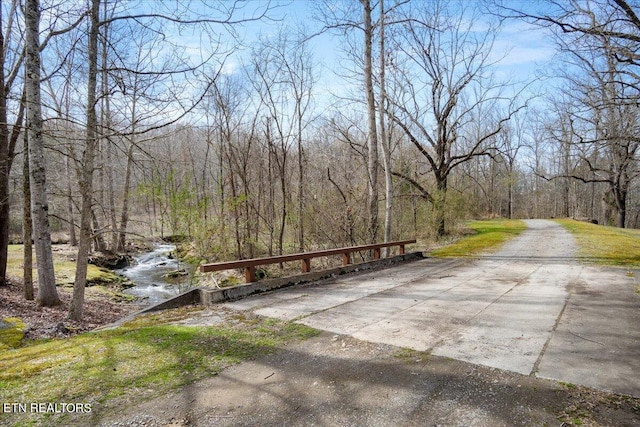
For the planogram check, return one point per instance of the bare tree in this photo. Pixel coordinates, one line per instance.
(139, 82)
(602, 129)
(27, 227)
(385, 142)
(179, 100)
(614, 20)
(278, 129)
(47, 293)
(446, 72)
(348, 138)
(345, 18)
(225, 111)
(510, 142)
(284, 81)
(600, 40)
(297, 66)
(11, 59)
(88, 159)
(372, 137)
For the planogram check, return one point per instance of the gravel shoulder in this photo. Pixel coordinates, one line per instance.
(334, 380)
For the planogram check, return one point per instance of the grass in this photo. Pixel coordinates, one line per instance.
(65, 271)
(598, 244)
(408, 355)
(605, 245)
(11, 333)
(139, 360)
(487, 235)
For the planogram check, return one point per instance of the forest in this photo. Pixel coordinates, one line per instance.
(219, 123)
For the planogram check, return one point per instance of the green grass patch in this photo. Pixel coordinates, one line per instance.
(65, 271)
(11, 333)
(141, 359)
(484, 236)
(605, 245)
(568, 386)
(408, 355)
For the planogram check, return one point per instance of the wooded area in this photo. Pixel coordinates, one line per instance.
(139, 119)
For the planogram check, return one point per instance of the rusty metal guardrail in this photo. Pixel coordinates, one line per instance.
(249, 265)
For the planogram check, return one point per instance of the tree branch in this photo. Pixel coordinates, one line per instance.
(423, 191)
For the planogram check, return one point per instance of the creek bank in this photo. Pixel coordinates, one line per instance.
(110, 260)
(105, 299)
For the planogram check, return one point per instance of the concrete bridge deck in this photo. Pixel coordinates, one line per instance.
(530, 308)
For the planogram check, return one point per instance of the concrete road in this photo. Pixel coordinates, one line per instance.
(530, 308)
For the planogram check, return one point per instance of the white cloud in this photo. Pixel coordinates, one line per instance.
(521, 47)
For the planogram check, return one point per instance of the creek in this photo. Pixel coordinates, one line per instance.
(149, 275)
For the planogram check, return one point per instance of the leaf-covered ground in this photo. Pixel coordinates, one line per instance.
(101, 307)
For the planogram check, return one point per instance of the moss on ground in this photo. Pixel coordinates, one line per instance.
(144, 358)
(65, 270)
(11, 333)
(604, 245)
(483, 236)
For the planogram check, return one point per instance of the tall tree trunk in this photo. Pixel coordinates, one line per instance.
(73, 239)
(282, 170)
(372, 138)
(124, 216)
(249, 242)
(205, 188)
(510, 200)
(6, 160)
(300, 185)
(510, 183)
(439, 206)
(108, 147)
(4, 211)
(106, 119)
(4, 165)
(271, 210)
(223, 195)
(27, 228)
(112, 198)
(566, 189)
(98, 238)
(47, 292)
(8, 142)
(86, 178)
(234, 203)
(620, 195)
(386, 145)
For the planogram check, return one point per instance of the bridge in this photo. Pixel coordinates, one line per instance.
(531, 308)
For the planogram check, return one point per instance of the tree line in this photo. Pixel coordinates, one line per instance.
(157, 119)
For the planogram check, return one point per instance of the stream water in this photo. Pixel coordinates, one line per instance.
(148, 275)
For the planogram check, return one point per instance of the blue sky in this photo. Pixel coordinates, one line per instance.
(525, 49)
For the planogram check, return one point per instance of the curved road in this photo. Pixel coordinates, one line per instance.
(529, 308)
